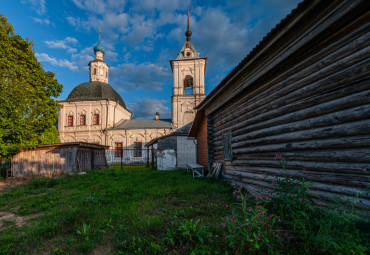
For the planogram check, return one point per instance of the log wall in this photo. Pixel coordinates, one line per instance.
(306, 96)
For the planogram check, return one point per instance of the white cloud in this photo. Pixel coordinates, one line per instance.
(43, 57)
(147, 107)
(41, 21)
(144, 76)
(63, 44)
(37, 5)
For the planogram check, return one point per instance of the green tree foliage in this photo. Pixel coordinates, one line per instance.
(27, 108)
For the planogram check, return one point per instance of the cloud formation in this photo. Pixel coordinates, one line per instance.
(65, 44)
(45, 21)
(43, 57)
(145, 108)
(222, 31)
(144, 76)
(37, 5)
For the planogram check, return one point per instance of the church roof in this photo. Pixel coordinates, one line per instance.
(99, 47)
(143, 124)
(187, 44)
(94, 90)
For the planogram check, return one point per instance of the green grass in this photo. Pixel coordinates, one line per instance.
(115, 212)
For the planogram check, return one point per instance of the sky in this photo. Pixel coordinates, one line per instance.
(140, 37)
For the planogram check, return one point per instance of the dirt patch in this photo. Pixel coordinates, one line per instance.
(12, 182)
(107, 248)
(6, 217)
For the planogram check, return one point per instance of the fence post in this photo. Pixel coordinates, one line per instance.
(121, 152)
(153, 154)
(147, 156)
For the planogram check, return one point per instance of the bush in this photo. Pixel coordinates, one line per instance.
(3, 167)
(287, 218)
(250, 228)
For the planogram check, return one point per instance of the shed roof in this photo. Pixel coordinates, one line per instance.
(143, 124)
(183, 131)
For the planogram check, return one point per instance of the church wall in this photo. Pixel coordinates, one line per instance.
(89, 132)
(77, 132)
(117, 113)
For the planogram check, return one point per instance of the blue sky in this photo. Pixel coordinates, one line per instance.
(140, 37)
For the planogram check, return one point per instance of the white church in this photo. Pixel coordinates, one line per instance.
(94, 112)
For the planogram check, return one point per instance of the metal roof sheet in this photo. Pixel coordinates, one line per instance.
(143, 124)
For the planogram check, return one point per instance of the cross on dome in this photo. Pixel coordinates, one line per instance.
(99, 47)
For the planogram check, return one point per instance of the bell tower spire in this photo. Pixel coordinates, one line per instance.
(188, 82)
(98, 68)
(188, 33)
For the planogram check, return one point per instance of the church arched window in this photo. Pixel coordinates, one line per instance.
(94, 71)
(188, 85)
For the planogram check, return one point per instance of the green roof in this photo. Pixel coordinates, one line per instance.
(94, 90)
(187, 44)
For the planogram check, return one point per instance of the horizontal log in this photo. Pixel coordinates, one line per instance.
(333, 167)
(335, 189)
(273, 107)
(331, 108)
(319, 144)
(318, 191)
(346, 116)
(341, 130)
(346, 155)
(273, 112)
(267, 173)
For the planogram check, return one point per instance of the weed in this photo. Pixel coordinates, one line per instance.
(85, 232)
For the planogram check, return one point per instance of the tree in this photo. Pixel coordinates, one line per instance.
(27, 108)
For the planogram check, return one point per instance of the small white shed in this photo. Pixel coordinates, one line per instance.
(175, 150)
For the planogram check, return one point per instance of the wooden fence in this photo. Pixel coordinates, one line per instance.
(54, 159)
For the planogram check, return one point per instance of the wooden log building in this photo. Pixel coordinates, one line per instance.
(304, 93)
(55, 159)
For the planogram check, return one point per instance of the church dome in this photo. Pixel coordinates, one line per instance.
(94, 90)
(98, 47)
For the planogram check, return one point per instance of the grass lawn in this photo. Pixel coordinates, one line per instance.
(114, 212)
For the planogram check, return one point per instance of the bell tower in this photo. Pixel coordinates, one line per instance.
(98, 68)
(188, 82)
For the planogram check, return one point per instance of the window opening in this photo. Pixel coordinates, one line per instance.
(118, 149)
(96, 119)
(82, 120)
(138, 149)
(70, 121)
(227, 145)
(94, 71)
(188, 85)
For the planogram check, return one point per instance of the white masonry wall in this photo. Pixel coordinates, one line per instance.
(186, 151)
